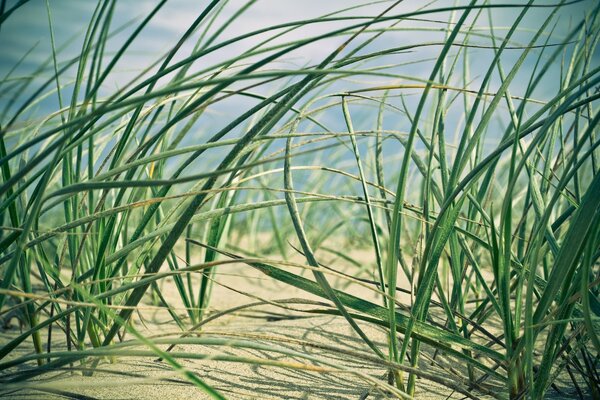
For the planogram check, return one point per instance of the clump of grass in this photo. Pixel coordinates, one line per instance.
(473, 187)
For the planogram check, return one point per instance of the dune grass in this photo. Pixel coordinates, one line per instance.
(460, 154)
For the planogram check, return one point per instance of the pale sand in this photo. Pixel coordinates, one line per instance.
(146, 378)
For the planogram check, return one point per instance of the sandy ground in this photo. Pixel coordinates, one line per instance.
(147, 378)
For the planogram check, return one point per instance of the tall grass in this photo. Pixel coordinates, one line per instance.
(462, 153)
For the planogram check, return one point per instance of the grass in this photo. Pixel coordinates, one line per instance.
(458, 152)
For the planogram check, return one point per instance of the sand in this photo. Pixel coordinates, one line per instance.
(277, 328)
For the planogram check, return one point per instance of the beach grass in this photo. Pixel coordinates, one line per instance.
(458, 155)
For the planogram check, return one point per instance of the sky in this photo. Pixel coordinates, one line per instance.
(25, 39)
(28, 27)
(25, 45)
